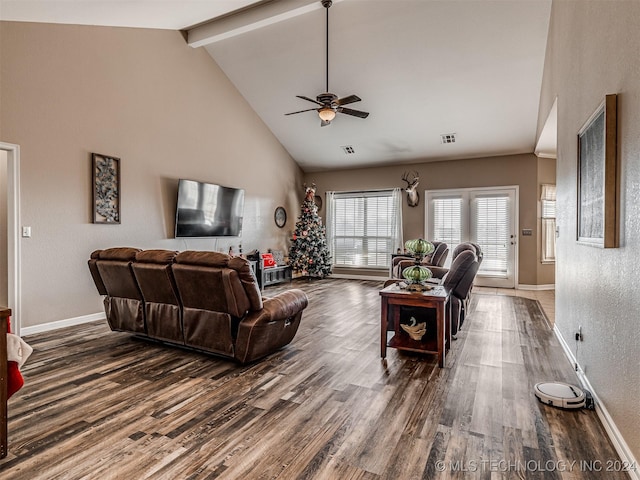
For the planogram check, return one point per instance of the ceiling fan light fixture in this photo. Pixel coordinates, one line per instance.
(326, 114)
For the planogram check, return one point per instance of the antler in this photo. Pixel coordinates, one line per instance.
(414, 180)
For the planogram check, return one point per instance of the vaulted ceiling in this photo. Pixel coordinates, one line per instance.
(423, 68)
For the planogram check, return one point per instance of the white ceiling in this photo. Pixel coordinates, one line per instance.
(422, 68)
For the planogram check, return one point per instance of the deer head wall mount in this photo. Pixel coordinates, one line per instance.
(412, 179)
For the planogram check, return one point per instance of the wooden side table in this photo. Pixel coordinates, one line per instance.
(393, 298)
(5, 313)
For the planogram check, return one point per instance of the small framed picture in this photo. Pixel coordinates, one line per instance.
(280, 217)
(106, 188)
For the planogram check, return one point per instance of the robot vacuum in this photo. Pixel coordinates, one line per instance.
(561, 395)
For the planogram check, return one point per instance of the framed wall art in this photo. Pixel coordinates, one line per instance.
(106, 188)
(598, 223)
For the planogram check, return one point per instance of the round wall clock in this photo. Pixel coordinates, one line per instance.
(280, 216)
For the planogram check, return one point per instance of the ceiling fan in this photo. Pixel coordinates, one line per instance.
(329, 103)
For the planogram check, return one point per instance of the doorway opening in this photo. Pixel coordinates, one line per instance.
(10, 199)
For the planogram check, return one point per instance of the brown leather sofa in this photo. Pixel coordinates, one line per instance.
(208, 301)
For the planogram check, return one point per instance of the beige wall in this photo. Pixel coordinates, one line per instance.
(592, 51)
(521, 170)
(165, 109)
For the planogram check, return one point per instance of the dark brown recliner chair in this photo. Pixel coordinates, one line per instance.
(163, 312)
(440, 271)
(458, 281)
(435, 259)
(124, 302)
(223, 311)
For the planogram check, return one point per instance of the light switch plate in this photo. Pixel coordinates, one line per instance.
(26, 232)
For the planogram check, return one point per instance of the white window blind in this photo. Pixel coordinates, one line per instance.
(490, 217)
(365, 228)
(548, 223)
(447, 220)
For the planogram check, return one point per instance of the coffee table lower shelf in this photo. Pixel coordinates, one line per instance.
(403, 342)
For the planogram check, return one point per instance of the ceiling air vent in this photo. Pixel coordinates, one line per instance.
(448, 138)
(348, 149)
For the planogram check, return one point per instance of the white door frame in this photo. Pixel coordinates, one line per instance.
(14, 297)
(480, 280)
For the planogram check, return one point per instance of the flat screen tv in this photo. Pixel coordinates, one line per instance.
(207, 210)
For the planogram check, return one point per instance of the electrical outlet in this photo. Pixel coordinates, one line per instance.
(579, 337)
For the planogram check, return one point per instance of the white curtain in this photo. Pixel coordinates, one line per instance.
(330, 202)
(397, 221)
(548, 222)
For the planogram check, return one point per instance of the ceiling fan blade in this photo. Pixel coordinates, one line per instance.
(309, 99)
(300, 111)
(324, 123)
(348, 100)
(355, 113)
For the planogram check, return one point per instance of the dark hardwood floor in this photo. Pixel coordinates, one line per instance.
(105, 405)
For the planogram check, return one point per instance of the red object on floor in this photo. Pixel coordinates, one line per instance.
(15, 381)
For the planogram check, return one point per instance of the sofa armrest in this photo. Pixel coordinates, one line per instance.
(438, 272)
(266, 330)
(285, 304)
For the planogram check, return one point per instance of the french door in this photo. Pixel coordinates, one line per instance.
(486, 216)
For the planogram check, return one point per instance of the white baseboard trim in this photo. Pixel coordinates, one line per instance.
(69, 322)
(549, 286)
(626, 456)
(357, 277)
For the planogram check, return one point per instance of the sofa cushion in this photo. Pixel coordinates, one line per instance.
(123, 254)
(222, 260)
(156, 256)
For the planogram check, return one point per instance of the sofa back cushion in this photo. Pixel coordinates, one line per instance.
(217, 282)
(114, 265)
(439, 255)
(460, 276)
(152, 269)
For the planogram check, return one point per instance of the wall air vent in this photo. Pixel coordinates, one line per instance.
(448, 138)
(348, 149)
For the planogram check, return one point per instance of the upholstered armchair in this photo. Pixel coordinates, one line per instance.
(458, 281)
(434, 259)
(439, 271)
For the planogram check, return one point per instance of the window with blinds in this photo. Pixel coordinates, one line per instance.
(548, 223)
(363, 229)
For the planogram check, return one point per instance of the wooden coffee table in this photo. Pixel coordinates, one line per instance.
(393, 298)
